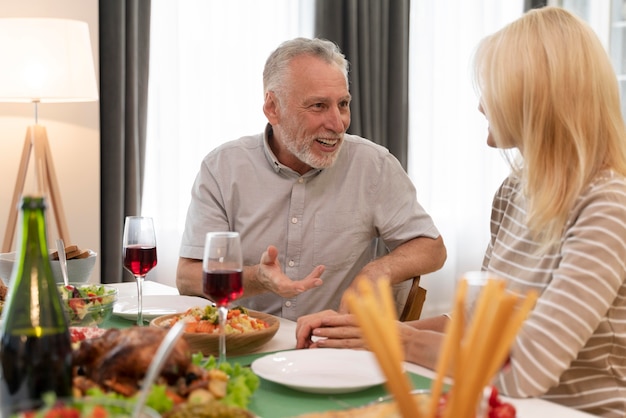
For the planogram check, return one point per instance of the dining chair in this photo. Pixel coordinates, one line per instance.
(414, 302)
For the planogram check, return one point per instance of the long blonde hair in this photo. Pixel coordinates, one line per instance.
(548, 88)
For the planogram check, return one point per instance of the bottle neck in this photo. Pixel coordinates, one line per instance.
(33, 232)
(34, 305)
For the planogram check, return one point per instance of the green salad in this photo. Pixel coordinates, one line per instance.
(87, 305)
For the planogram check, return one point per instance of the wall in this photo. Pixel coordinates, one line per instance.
(73, 132)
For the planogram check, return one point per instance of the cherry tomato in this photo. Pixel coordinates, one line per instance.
(76, 304)
(99, 412)
(504, 410)
(494, 398)
(63, 412)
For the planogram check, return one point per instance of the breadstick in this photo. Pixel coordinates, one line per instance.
(382, 338)
(496, 321)
(509, 334)
(462, 397)
(478, 350)
(451, 344)
(374, 337)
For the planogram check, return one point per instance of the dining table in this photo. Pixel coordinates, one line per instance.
(273, 400)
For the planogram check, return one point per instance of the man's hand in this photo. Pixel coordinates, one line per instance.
(271, 278)
(332, 329)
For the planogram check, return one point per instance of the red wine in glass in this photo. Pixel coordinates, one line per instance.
(139, 253)
(222, 276)
(222, 286)
(139, 259)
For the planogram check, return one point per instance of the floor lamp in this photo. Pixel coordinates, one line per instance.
(46, 61)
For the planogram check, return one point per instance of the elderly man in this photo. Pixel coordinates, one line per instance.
(307, 198)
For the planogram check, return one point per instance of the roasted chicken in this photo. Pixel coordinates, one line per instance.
(119, 359)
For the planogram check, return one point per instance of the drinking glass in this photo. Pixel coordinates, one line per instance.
(139, 253)
(222, 281)
(476, 281)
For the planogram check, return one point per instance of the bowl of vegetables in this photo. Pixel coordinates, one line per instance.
(246, 330)
(87, 305)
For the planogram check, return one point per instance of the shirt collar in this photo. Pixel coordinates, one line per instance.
(277, 165)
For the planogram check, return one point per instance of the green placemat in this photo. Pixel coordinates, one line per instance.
(272, 400)
(117, 322)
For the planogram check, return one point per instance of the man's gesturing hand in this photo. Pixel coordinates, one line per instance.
(271, 277)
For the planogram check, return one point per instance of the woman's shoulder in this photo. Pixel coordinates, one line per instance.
(608, 182)
(509, 188)
(605, 193)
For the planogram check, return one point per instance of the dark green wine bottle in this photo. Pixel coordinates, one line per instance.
(35, 345)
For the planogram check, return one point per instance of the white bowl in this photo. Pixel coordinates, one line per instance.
(78, 269)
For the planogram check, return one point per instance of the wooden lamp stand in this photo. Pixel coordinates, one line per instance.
(37, 138)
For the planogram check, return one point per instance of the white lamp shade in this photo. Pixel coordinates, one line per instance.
(46, 60)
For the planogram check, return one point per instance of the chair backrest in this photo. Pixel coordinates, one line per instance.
(414, 302)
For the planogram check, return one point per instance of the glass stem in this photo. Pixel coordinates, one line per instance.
(140, 280)
(222, 312)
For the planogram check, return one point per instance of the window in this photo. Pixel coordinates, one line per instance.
(456, 174)
(206, 87)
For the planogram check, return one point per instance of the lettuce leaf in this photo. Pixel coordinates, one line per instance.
(242, 382)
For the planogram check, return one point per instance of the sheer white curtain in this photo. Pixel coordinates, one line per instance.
(455, 173)
(206, 64)
(206, 88)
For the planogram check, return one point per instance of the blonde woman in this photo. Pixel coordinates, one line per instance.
(558, 222)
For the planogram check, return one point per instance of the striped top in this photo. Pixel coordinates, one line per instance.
(572, 348)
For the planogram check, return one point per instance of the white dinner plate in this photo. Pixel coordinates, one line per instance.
(321, 370)
(156, 305)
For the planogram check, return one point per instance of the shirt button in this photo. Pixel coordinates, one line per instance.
(288, 303)
(291, 263)
(300, 180)
(294, 220)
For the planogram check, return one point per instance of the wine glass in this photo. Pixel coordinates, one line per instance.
(476, 282)
(139, 252)
(222, 276)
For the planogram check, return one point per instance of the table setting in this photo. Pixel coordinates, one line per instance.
(316, 388)
(257, 368)
(279, 395)
(276, 397)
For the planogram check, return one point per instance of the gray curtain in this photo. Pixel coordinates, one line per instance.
(534, 4)
(374, 36)
(124, 59)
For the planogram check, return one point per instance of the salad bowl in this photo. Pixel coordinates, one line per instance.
(237, 343)
(87, 305)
